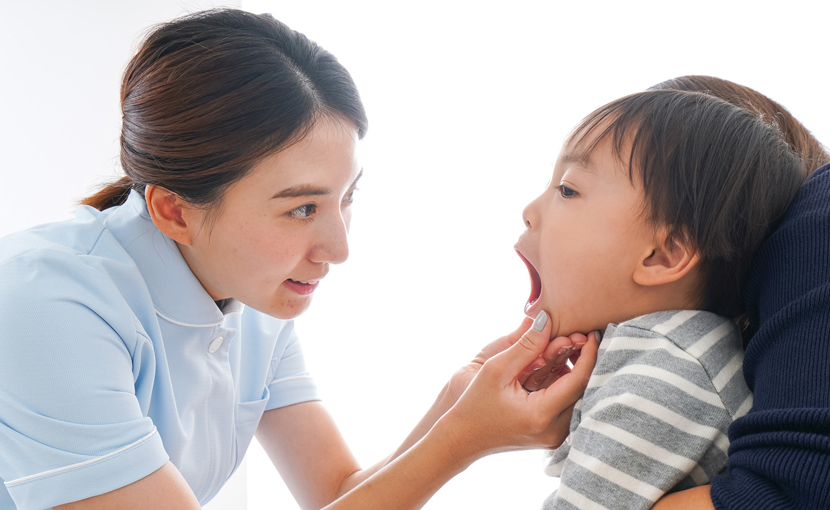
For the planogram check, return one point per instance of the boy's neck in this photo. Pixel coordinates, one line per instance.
(683, 294)
(639, 300)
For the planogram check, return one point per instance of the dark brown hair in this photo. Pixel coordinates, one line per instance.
(210, 94)
(799, 138)
(716, 175)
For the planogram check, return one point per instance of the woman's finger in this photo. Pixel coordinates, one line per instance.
(503, 343)
(554, 359)
(526, 324)
(550, 358)
(532, 343)
(570, 387)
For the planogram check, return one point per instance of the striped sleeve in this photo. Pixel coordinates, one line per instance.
(655, 415)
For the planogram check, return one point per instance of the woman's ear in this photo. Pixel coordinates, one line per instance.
(669, 260)
(168, 212)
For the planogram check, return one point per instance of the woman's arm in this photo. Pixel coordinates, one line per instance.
(164, 489)
(311, 456)
(494, 414)
(297, 437)
(690, 499)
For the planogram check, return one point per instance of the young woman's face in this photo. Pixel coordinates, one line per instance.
(584, 237)
(281, 225)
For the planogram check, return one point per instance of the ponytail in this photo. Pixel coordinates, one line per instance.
(114, 193)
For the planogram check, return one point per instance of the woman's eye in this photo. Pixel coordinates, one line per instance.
(566, 192)
(350, 197)
(304, 211)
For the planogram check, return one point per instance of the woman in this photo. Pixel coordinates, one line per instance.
(132, 375)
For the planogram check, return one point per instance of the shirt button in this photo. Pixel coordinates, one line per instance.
(215, 345)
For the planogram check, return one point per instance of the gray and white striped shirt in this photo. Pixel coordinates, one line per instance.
(654, 417)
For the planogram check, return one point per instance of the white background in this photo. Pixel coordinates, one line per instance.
(468, 103)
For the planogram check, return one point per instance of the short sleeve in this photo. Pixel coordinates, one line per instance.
(291, 382)
(651, 422)
(70, 424)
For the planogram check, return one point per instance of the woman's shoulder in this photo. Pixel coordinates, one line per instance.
(66, 272)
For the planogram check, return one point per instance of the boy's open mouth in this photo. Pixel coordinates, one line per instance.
(535, 282)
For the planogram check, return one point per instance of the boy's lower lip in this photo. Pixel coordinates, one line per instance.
(303, 289)
(531, 309)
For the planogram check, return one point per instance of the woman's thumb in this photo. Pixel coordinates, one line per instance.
(528, 348)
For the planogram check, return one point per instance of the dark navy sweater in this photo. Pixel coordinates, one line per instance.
(779, 456)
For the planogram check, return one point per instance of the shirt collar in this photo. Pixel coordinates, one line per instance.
(177, 294)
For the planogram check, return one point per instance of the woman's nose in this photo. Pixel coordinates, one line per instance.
(333, 244)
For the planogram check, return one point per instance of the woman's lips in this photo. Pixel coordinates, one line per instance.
(535, 283)
(302, 288)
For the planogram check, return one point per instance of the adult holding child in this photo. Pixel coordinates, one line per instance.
(779, 456)
(133, 377)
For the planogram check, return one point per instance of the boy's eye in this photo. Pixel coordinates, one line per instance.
(304, 211)
(566, 192)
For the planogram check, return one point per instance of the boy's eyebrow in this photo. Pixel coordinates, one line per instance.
(582, 158)
(308, 190)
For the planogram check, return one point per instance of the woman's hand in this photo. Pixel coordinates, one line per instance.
(538, 374)
(496, 413)
(553, 363)
(461, 378)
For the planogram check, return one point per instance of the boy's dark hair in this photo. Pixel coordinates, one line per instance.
(717, 176)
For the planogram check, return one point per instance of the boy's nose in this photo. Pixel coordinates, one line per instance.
(530, 215)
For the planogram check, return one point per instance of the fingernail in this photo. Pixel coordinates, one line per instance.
(564, 350)
(540, 321)
(598, 335)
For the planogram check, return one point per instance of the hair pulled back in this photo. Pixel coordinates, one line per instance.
(209, 94)
(812, 153)
(715, 175)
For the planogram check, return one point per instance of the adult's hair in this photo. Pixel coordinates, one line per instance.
(801, 141)
(210, 94)
(715, 175)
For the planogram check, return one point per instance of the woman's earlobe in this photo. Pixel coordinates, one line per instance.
(167, 211)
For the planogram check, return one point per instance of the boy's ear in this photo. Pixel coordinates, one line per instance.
(169, 213)
(669, 260)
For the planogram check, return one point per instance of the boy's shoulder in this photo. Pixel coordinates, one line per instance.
(696, 332)
(699, 347)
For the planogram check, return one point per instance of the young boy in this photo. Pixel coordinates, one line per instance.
(656, 208)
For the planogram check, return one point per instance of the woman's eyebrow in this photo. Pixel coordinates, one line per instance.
(354, 182)
(305, 190)
(308, 190)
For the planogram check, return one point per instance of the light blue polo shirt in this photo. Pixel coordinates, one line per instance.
(114, 359)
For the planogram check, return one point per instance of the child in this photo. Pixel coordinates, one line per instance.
(658, 202)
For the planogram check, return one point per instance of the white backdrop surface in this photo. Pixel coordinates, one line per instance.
(468, 103)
